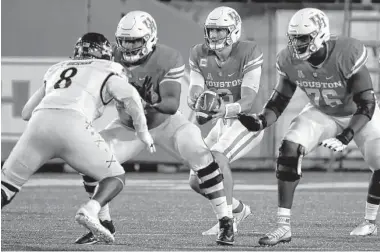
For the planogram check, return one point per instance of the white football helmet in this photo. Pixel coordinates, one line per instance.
(133, 26)
(219, 18)
(308, 29)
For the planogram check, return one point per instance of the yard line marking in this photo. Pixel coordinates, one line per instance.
(183, 185)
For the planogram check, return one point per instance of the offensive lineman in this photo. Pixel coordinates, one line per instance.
(342, 108)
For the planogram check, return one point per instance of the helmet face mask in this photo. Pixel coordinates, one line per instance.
(222, 20)
(130, 46)
(136, 36)
(93, 45)
(300, 43)
(217, 37)
(308, 30)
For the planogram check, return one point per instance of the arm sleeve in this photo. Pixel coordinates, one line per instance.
(196, 79)
(252, 78)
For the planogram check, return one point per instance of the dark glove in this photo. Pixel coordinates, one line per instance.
(346, 136)
(253, 122)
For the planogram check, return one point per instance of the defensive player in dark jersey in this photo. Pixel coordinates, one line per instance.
(231, 68)
(342, 108)
(156, 71)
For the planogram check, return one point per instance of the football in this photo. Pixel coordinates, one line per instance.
(205, 105)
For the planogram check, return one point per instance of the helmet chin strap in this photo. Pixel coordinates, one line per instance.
(319, 57)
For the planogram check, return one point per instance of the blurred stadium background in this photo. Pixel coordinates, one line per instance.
(38, 33)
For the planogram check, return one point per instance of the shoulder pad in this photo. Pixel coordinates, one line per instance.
(168, 57)
(351, 55)
(283, 62)
(53, 68)
(118, 69)
(195, 55)
(251, 53)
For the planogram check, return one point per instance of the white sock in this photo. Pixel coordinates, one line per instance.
(283, 216)
(93, 207)
(220, 207)
(235, 203)
(104, 213)
(371, 211)
(229, 211)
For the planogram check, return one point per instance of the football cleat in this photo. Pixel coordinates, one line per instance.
(226, 232)
(364, 229)
(282, 234)
(238, 217)
(84, 218)
(89, 238)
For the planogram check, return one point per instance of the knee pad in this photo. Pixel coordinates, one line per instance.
(211, 179)
(89, 184)
(289, 161)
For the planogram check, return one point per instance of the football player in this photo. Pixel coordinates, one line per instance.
(156, 71)
(232, 68)
(342, 108)
(60, 116)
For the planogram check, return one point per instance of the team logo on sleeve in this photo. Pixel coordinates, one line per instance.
(300, 74)
(203, 62)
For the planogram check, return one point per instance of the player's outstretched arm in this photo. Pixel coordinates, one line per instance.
(32, 103)
(274, 107)
(197, 83)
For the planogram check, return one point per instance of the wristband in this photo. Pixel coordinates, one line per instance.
(232, 109)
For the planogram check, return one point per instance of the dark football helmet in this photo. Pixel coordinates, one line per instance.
(93, 45)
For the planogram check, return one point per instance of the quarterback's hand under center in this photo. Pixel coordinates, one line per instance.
(147, 139)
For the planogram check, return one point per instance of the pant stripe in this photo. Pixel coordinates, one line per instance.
(236, 141)
(250, 140)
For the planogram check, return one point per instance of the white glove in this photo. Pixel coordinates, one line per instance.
(147, 139)
(333, 144)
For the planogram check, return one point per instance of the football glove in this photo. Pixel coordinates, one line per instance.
(340, 142)
(252, 122)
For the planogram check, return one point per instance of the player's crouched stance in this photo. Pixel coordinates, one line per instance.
(156, 71)
(60, 116)
(342, 108)
(230, 68)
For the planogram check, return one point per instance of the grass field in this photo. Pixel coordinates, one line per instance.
(159, 212)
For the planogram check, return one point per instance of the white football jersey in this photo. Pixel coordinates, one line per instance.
(80, 85)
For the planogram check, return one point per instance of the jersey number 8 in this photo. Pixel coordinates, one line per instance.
(65, 80)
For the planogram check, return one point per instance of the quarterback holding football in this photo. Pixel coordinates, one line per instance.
(229, 70)
(342, 108)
